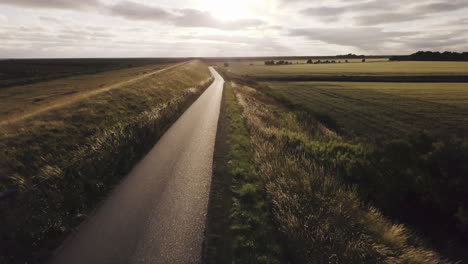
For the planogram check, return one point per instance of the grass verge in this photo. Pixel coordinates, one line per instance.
(239, 227)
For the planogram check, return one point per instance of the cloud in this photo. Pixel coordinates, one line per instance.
(196, 18)
(177, 17)
(264, 43)
(137, 11)
(60, 4)
(386, 18)
(324, 11)
(376, 12)
(362, 38)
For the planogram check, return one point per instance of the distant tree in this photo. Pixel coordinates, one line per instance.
(270, 62)
(432, 56)
(226, 64)
(309, 61)
(363, 59)
(346, 61)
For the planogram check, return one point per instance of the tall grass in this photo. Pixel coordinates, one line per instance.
(50, 205)
(323, 220)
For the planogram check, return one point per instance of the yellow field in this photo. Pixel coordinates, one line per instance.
(369, 68)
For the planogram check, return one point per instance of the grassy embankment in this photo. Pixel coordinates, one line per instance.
(239, 227)
(63, 161)
(323, 220)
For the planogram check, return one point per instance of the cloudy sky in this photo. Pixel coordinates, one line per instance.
(180, 28)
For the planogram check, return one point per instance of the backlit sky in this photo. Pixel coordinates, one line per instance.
(180, 28)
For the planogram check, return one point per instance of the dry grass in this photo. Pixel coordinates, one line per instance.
(23, 102)
(324, 222)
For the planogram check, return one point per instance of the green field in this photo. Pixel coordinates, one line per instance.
(382, 109)
(354, 68)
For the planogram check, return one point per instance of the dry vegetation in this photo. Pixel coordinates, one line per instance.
(239, 225)
(331, 147)
(323, 220)
(61, 162)
(21, 101)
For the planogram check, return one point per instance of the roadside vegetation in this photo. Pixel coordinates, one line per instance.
(239, 226)
(56, 166)
(338, 159)
(321, 218)
(405, 150)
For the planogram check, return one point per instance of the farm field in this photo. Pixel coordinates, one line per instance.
(377, 110)
(18, 101)
(369, 68)
(14, 72)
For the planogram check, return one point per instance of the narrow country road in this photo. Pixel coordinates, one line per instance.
(157, 213)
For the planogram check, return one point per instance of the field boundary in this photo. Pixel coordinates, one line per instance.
(416, 78)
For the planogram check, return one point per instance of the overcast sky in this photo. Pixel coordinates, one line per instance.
(180, 28)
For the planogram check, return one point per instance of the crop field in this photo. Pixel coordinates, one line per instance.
(382, 109)
(354, 68)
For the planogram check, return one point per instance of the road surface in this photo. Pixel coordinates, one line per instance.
(157, 213)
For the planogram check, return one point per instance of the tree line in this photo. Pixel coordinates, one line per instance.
(432, 56)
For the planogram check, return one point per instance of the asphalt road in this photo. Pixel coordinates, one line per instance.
(157, 214)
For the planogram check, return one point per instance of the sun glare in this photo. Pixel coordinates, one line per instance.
(229, 10)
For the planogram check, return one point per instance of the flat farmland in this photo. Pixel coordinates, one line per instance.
(14, 72)
(377, 67)
(20, 101)
(381, 110)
